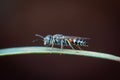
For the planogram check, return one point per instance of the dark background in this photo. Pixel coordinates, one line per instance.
(97, 19)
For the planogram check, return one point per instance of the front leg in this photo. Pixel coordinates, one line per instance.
(62, 44)
(53, 42)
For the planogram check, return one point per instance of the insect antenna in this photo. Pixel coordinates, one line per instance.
(38, 39)
(39, 36)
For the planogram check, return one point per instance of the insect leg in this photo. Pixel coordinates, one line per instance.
(69, 43)
(79, 47)
(53, 40)
(61, 44)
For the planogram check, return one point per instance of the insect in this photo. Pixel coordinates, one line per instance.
(63, 40)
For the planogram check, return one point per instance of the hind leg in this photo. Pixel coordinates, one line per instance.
(69, 44)
(79, 47)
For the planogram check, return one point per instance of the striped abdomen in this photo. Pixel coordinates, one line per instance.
(80, 42)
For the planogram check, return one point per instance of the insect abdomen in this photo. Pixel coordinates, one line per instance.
(80, 42)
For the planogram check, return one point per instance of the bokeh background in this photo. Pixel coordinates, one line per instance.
(96, 19)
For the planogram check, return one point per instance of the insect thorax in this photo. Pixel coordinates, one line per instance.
(60, 39)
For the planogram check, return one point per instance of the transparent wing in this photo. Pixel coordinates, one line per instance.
(72, 37)
(61, 36)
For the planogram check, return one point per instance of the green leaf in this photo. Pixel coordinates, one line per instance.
(46, 50)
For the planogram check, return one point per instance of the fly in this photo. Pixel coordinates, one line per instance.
(63, 40)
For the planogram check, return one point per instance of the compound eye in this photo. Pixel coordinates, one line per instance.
(47, 40)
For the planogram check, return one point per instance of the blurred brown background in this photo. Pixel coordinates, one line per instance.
(97, 19)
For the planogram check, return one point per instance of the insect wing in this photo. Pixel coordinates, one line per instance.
(73, 37)
(61, 36)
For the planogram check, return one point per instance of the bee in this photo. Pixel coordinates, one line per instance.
(63, 40)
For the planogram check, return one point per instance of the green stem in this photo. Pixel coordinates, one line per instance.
(46, 50)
